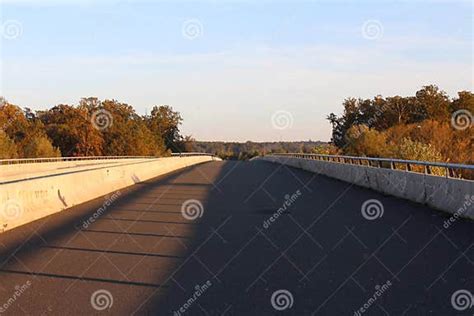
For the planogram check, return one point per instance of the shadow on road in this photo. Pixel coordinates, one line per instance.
(268, 239)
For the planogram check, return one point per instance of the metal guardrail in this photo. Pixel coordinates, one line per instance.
(449, 169)
(63, 159)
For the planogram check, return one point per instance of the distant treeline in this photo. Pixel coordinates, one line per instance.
(91, 128)
(247, 150)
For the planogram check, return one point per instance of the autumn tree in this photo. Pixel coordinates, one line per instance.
(40, 146)
(434, 102)
(71, 131)
(128, 134)
(27, 132)
(424, 118)
(8, 148)
(164, 123)
(464, 101)
(363, 141)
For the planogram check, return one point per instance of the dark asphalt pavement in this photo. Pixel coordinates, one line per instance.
(319, 256)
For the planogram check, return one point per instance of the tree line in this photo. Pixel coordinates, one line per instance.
(90, 128)
(247, 150)
(428, 126)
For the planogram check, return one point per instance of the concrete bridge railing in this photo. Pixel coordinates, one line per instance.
(36, 194)
(417, 181)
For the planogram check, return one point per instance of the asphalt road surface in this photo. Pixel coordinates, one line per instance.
(320, 254)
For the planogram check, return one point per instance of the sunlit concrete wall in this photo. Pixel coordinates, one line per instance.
(19, 171)
(455, 196)
(27, 199)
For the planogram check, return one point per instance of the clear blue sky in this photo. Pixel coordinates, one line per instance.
(249, 59)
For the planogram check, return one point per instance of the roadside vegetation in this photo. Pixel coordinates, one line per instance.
(91, 128)
(428, 126)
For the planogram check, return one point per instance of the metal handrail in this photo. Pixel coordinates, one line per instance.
(390, 163)
(63, 159)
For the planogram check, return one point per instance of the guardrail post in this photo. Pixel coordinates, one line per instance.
(427, 169)
(450, 172)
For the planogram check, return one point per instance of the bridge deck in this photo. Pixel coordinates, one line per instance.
(323, 251)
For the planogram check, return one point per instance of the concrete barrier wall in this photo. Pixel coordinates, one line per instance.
(455, 196)
(26, 200)
(19, 171)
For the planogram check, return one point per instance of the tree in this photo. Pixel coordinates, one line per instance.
(465, 101)
(129, 134)
(72, 131)
(362, 141)
(8, 148)
(164, 124)
(412, 150)
(13, 122)
(39, 147)
(434, 102)
(188, 144)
